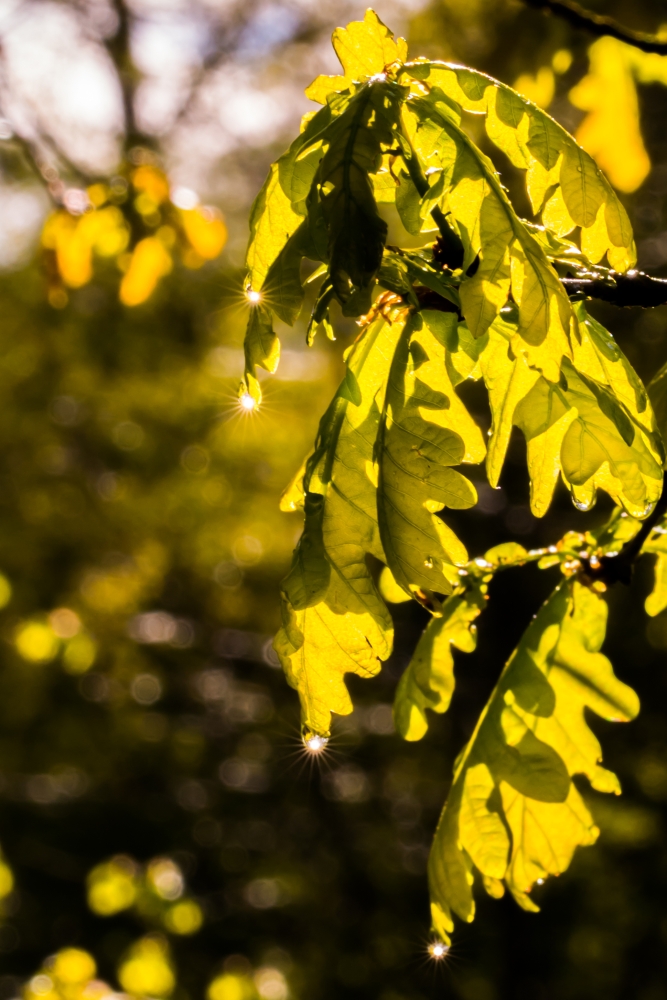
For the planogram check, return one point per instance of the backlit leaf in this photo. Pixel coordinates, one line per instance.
(273, 217)
(508, 254)
(428, 680)
(513, 812)
(261, 348)
(330, 596)
(366, 47)
(534, 141)
(356, 232)
(425, 431)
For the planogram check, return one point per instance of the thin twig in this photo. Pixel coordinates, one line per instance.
(599, 25)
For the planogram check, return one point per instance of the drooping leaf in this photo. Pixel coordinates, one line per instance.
(657, 392)
(317, 647)
(428, 680)
(513, 812)
(657, 599)
(504, 253)
(340, 604)
(425, 431)
(261, 348)
(282, 291)
(657, 543)
(508, 380)
(308, 579)
(578, 193)
(278, 208)
(595, 425)
(356, 232)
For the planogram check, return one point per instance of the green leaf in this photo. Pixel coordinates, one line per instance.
(428, 681)
(278, 210)
(261, 348)
(657, 391)
(425, 431)
(657, 599)
(365, 48)
(594, 453)
(341, 527)
(356, 232)
(597, 355)
(513, 812)
(308, 580)
(317, 647)
(657, 543)
(322, 86)
(507, 253)
(596, 426)
(417, 266)
(282, 290)
(408, 201)
(580, 194)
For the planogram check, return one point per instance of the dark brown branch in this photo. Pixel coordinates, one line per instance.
(632, 289)
(623, 290)
(597, 24)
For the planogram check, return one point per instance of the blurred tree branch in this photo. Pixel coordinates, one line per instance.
(118, 47)
(598, 24)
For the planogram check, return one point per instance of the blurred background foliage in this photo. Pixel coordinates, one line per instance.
(161, 834)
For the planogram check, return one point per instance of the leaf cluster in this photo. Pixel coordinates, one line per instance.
(484, 301)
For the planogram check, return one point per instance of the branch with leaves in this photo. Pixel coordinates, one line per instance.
(486, 296)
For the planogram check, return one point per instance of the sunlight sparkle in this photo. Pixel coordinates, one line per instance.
(438, 950)
(315, 743)
(247, 403)
(253, 297)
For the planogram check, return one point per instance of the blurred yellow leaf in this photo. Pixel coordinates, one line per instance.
(72, 966)
(231, 987)
(112, 886)
(5, 591)
(6, 879)
(151, 181)
(36, 642)
(147, 971)
(539, 88)
(206, 231)
(150, 262)
(79, 654)
(610, 131)
(74, 239)
(185, 917)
